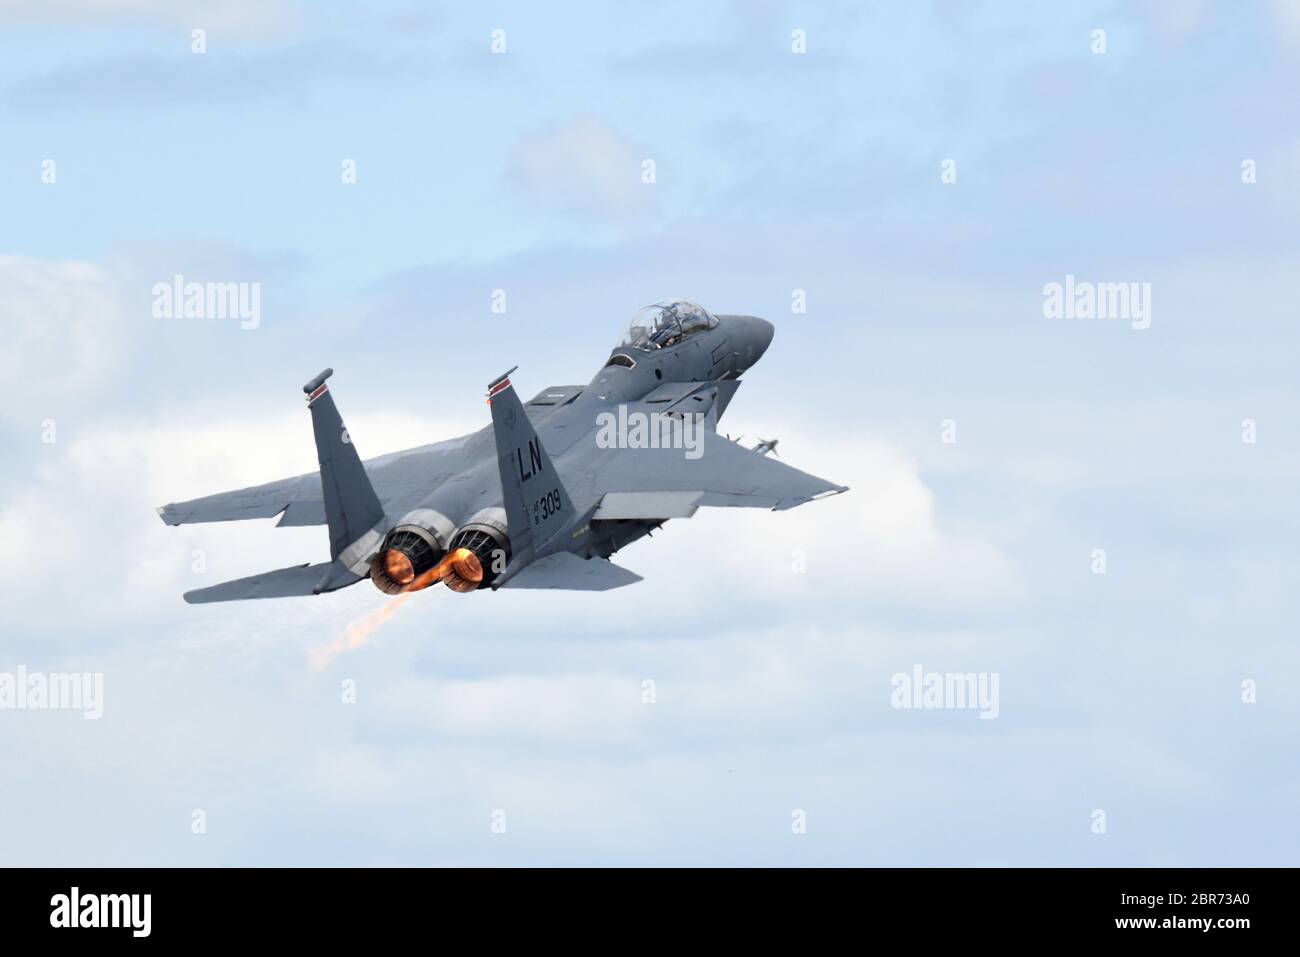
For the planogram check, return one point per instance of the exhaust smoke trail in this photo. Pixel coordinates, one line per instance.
(358, 633)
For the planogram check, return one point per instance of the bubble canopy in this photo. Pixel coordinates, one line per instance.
(666, 323)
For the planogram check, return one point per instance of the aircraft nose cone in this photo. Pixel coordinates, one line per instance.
(758, 335)
(749, 337)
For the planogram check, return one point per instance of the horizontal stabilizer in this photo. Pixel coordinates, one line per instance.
(570, 572)
(281, 583)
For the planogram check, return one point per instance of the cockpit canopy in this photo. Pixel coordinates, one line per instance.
(665, 324)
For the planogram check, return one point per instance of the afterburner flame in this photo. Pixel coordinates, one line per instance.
(358, 633)
(398, 566)
(465, 566)
(431, 577)
(459, 570)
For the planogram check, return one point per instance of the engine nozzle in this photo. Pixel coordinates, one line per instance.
(463, 571)
(398, 566)
(415, 556)
(483, 547)
(409, 551)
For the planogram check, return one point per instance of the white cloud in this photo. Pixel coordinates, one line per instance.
(89, 509)
(583, 166)
(1286, 13)
(62, 323)
(241, 17)
(880, 542)
(1175, 20)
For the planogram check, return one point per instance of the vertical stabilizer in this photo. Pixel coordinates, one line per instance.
(537, 504)
(351, 506)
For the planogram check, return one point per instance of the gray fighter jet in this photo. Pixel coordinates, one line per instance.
(542, 497)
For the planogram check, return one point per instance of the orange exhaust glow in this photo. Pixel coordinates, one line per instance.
(358, 634)
(464, 571)
(399, 567)
(459, 570)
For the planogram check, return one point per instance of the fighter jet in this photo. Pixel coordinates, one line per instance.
(543, 496)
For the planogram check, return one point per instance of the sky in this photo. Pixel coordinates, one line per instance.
(1098, 514)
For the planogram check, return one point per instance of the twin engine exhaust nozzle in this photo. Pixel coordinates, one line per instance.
(422, 550)
(460, 570)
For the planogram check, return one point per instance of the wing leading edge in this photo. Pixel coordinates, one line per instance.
(725, 474)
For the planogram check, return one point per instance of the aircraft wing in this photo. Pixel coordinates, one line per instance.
(725, 473)
(395, 478)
